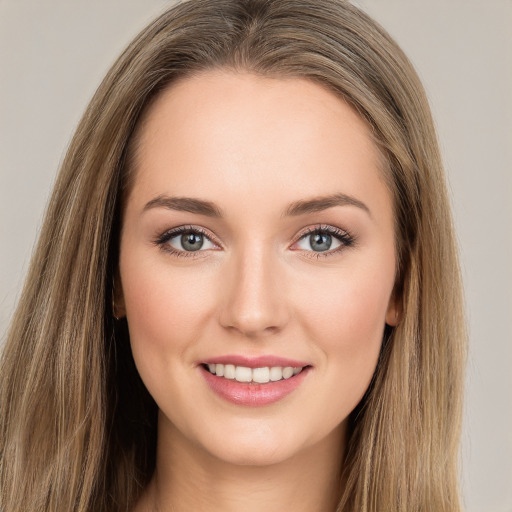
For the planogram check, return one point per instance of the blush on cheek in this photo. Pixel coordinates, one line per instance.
(350, 317)
(164, 306)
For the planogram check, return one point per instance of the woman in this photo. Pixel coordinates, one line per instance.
(246, 292)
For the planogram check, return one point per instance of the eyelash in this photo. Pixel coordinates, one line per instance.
(343, 236)
(163, 239)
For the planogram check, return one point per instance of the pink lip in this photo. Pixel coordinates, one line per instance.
(252, 394)
(255, 362)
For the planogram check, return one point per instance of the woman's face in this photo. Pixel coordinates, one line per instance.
(258, 237)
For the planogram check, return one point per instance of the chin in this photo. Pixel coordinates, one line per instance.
(254, 454)
(248, 443)
(262, 443)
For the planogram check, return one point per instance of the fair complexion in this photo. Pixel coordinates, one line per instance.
(284, 248)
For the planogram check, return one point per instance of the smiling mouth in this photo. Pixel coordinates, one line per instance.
(247, 375)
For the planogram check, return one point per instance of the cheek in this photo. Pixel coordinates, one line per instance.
(349, 309)
(164, 307)
(346, 321)
(351, 342)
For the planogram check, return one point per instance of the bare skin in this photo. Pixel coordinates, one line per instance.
(201, 482)
(292, 256)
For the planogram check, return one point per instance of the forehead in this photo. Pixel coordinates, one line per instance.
(247, 132)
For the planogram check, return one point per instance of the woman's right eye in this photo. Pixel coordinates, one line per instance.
(185, 240)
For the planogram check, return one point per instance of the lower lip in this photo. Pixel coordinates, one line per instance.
(253, 395)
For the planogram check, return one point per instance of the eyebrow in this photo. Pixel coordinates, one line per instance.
(318, 204)
(184, 204)
(202, 207)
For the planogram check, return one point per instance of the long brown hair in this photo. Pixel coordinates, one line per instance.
(77, 427)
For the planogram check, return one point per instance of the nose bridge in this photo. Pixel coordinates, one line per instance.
(255, 303)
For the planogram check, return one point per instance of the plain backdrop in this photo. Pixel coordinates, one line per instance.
(53, 54)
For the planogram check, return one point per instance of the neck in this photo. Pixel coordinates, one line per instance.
(188, 478)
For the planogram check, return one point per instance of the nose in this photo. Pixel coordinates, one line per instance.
(255, 302)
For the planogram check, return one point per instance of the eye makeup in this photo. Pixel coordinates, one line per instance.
(191, 238)
(320, 237)
(192, 241)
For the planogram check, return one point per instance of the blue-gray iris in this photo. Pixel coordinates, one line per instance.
(320, 242)
(192, 241)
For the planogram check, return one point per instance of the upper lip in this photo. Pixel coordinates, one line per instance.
(255, 362)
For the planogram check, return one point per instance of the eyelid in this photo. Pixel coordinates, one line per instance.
(162, 240)
(342, 235)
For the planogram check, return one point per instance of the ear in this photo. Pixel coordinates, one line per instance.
(394, 311)
(118, 304)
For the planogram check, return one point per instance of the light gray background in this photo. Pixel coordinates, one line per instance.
(54, 53)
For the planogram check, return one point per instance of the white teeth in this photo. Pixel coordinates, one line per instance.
(257, 375)
(229, 371)
(261, 375)
(243, 374)
(287, 372)
(276, 373)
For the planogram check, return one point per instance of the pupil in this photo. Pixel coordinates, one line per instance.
(320, 242)
(191, 241)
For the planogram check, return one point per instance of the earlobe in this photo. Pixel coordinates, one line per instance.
(394, 311)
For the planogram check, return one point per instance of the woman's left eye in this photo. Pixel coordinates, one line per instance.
(324, 240)
(186, 240)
